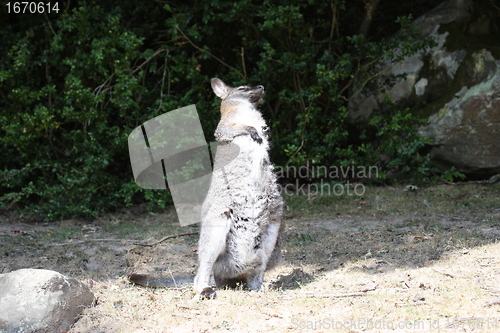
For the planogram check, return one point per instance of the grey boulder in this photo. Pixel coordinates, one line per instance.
(39, 300)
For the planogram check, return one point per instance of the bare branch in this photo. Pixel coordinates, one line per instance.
(148, 60)
(210, 54)
(98, 90)
(163, 84)
(50, 25)
(367, 80)
(243, 61)
(495, 6)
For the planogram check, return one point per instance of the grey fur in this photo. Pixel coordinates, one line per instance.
(241, 223)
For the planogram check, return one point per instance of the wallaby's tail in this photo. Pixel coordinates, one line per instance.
(160, 282)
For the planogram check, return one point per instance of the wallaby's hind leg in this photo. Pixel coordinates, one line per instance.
(276, 218)
(276, 257)
(212, 243)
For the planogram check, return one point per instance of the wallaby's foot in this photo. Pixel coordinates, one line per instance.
(207, 293)
(254, 134)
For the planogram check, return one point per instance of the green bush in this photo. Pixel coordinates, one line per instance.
(74, 84)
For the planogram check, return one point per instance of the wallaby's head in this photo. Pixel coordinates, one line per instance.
(253, 94)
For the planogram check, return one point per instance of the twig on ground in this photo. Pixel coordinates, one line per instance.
(355, 294)
(445, 274)
(165, 238)
(362, 292)
(404, 305)
(133, 241)
(92, 240)
(339, 295)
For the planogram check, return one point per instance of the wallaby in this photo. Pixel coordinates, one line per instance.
(241, 220)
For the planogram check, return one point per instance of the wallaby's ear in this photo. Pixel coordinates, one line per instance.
(220, 88)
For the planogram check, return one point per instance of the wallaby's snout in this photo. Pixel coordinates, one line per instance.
(257, 94)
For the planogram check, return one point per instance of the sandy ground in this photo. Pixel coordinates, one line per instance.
(391, 260)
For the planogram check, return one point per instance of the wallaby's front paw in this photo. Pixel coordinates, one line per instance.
(254, 134)
(207, 293)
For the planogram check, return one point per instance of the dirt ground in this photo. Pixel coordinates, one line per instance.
(394, 259)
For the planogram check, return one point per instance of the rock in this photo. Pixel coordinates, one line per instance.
(38, 300)
(466, 130)
(443, 64)
(458, 11)
(455, 84)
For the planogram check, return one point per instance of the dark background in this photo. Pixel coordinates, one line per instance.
(75, 83)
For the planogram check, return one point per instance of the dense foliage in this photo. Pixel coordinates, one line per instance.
(74, 84)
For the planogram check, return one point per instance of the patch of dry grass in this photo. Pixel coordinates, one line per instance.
(390, 260)
(458, 292)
